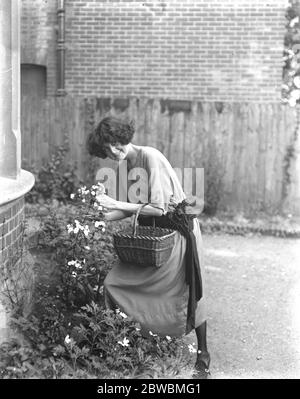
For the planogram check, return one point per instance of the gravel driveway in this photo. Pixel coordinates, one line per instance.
(253, 299)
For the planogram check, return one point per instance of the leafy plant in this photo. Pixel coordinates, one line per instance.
(78, 248)
(69, 332)
(54, 180)
(291, 59)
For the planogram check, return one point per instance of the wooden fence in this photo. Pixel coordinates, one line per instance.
(245, 144)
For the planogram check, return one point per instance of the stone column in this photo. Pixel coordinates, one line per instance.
(14, 182)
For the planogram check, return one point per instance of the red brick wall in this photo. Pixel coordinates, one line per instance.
(212, 50)
(11, 218)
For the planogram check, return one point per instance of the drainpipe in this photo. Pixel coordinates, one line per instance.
(61, 48)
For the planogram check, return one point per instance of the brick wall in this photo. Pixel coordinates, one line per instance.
(17, 274)
(11, 218)
(38, 37)
(212, 50)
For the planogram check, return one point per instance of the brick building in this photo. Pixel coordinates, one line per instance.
(216, 50)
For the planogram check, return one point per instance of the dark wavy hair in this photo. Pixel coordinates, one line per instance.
(110, 130)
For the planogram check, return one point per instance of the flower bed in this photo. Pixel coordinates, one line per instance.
(69, 333)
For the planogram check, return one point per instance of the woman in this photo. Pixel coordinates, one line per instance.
(167, 300)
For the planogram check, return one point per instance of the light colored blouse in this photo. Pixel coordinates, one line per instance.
(153, 180)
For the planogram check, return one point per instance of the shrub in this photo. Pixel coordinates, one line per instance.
(54, 180)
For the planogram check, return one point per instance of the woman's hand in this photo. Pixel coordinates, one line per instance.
(107, 202)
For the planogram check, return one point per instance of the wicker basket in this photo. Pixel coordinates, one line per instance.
(145, 245)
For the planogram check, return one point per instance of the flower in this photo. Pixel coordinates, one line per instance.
(191, 348)
(153, 335)
(123, 315)
(87, 247)
(99, 223)
(72, 196)
(68, 340)
(294, 21)
(292, 101)
(71, 262)
(168, 337)
(86, 230)
(74, 274)
(297, 81)
(96, 288)
(125, 342)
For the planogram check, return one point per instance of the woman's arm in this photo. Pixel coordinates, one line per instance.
(127, 207)
(116, 215)
(148, 210)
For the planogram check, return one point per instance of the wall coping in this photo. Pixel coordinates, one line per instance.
(12, 189)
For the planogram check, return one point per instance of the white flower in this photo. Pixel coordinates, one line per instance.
(292, 101)
(168, 337)
(68, 340)
(294, 21)
(295, 94)
(191, 348)
(93, 193)
(290, 52)
(153, 335)
(125, 342)
(83, 200)
(70, 228)
(76, 230)
(103, 230)
(297, 81)
(100, 289)
(78, 265)
(99, 223)
(86, 230)
(87, 247)
(123, 315)
(72, 262)
(74, 274)
(72, 196)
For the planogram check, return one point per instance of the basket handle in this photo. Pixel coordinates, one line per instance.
(136, 218)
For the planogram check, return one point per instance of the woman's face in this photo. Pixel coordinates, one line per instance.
(116, 152)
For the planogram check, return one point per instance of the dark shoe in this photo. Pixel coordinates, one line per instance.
(202, 371)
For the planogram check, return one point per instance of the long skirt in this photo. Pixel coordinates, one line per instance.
(157, 298)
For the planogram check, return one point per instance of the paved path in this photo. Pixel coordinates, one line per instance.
(253, 298)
